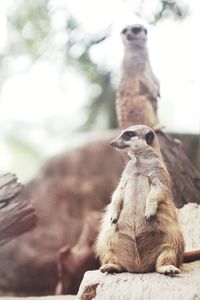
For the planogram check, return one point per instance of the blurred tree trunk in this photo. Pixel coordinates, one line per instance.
(185, 177)
(16, 216)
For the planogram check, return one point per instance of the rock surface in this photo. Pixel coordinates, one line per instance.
(189, 217)
(66, 297)
(152, 286)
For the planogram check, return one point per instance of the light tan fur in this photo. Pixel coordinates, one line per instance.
(138, 89)
(140, 231)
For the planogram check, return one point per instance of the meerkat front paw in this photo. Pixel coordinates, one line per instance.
(114, 219)
(114, 216)
(150, 213)
(149, 217)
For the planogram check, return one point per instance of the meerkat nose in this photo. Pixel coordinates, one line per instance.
(129, 37)
(113, 143)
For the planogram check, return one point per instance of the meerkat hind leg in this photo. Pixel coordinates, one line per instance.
(168, 270)
(110, 268)
(166, 263)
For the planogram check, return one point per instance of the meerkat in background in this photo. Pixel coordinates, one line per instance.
(140, 230)
(139, 88)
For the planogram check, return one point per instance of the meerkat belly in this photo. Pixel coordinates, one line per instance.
(132, 216)
(137, 237)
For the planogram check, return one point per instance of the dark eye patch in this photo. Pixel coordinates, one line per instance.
(128, 135)
(124, 31)
(145, 31)
(149, 137)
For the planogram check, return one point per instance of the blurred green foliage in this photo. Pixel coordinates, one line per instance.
(170, 8)
(28, 23)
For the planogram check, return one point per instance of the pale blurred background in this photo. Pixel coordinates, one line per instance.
(60, 64)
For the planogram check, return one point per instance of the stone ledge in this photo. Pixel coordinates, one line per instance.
(65, 297)
(151, 286)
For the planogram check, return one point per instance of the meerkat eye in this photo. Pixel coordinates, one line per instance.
(128, 135)
(136, 30)
(124, 31)
(145, 31)
(149, 137)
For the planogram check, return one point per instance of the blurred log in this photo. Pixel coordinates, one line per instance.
(185, 177)
(191, 146)
(16, 217)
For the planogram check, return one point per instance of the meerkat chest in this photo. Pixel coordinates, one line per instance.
(137, 185)
(136, 190)
(128, 87)
(132, 215)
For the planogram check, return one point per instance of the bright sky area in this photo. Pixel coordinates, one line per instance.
(40, 93)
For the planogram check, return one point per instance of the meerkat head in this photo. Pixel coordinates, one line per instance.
(134, 35)
(135, 139)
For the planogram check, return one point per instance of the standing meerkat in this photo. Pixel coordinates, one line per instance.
(138, 89)
(140, 231)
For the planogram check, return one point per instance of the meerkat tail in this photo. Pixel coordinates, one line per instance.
(191, 256)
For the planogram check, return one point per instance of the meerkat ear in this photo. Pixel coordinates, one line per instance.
(149, 137)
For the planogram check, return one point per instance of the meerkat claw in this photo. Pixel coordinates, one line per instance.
(149, 218)
(114, 218)
(150, 213)
(113, 221)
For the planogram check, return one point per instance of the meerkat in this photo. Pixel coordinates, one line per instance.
(140, 231)
(138, 89)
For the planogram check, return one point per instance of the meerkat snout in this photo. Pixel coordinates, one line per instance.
(112, 143)
(123, 140)
(129, 37)
(118, 143)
